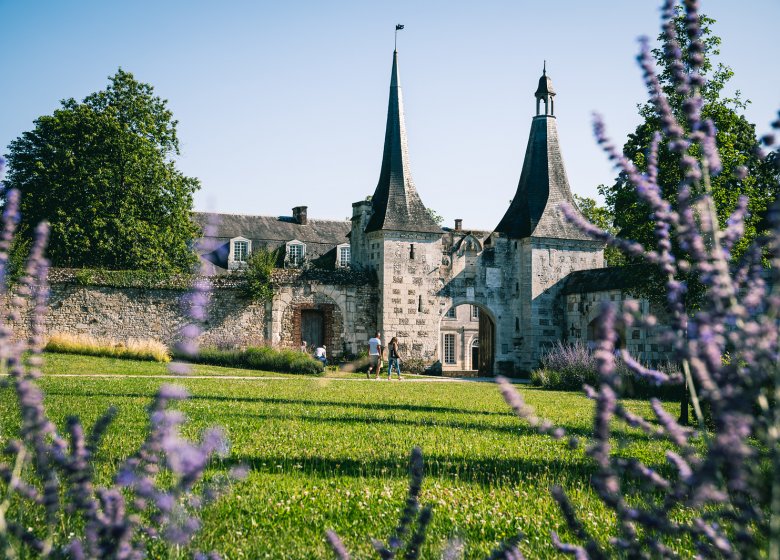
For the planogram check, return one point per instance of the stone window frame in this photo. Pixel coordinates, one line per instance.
(233, 261)
(342, 262)
(474, 314)
(297, 260)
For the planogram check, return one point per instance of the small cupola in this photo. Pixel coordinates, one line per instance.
(545, 93)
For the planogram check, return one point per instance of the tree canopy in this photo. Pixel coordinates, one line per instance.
(601, 217)
(101, 172)
(743, 172)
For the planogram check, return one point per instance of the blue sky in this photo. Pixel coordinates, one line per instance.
(283, 103)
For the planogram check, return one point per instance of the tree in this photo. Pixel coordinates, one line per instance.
(604, 219)
(743, 172)
(101, 173)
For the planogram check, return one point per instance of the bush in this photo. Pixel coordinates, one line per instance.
(260, 358)
(567, 367)
(131, 348)
(259, 269)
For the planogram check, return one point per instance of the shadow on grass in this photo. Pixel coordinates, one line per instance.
(483, 471)
(276, 400)
(520, 428)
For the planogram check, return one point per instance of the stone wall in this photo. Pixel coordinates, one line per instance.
(349, 300)
(122, 313)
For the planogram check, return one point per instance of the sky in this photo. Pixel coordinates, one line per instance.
(282, 104)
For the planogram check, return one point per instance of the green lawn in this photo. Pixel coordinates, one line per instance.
(332, 453)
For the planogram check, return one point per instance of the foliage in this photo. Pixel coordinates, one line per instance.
(569, 367)
(602, 218)
(724, 473)
(132, 348)
(101, 172)
(741, 172)
(438, 218)
(259, 267)
(261, 358)
(51, 504)
(146, 279)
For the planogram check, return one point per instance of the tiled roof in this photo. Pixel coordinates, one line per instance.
(543, 185)
(320, 236)
(395, 203)
(604, 279)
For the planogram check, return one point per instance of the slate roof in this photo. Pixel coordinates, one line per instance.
(543, 186)
(320, 236)
(395, 203)
(604, 279)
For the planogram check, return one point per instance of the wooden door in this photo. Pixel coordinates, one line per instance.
(312, 328)
(486, 342)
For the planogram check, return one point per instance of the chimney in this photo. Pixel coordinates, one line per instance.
(458, 224)
(299, 215)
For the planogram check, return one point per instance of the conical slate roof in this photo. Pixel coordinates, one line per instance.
(395, 203)
(543, 186)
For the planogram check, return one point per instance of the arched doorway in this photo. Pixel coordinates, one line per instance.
(467, 339)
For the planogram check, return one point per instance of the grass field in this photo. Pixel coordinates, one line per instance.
(332, 453)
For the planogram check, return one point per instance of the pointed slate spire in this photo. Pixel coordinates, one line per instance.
(395, 203)
(543, 183)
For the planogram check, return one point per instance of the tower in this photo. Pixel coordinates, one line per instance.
(539, 245)
(396, 236)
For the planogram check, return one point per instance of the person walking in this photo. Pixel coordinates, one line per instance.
(394, 357)
(374, 355)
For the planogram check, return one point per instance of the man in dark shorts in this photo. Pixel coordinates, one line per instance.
(374, 355)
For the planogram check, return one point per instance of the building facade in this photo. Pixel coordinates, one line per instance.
(490, 301)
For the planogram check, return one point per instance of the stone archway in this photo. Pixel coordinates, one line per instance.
(312, 315)
(465, 325)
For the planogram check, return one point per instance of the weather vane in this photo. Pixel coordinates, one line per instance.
(398, 27)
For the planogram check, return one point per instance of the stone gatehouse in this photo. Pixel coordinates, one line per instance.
(512, 279)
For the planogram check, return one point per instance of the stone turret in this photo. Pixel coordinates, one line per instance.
(543, 185)
(395, 204)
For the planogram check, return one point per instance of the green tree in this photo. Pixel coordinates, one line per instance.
(101, 172)
(601, 216)
(736, 142)
(258, 274)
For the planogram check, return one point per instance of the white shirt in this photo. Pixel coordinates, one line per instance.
(373, 346)
(320, 352)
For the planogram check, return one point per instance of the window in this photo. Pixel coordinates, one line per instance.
(411, 251)
(344, 256)
(450, 313)
(240, 251)
(449, 348)
(296, 252)
(474, 312)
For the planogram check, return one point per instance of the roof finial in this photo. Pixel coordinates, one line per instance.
(398, 27)
(544, 69)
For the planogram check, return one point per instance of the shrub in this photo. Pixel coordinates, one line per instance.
(262, 358)
(573, 364)
(567, 367)
(413, 365)
(131, 348)
(259, 268)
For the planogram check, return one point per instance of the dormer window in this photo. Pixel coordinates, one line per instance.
(343, 255)
(240, 249)
(296, 253)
